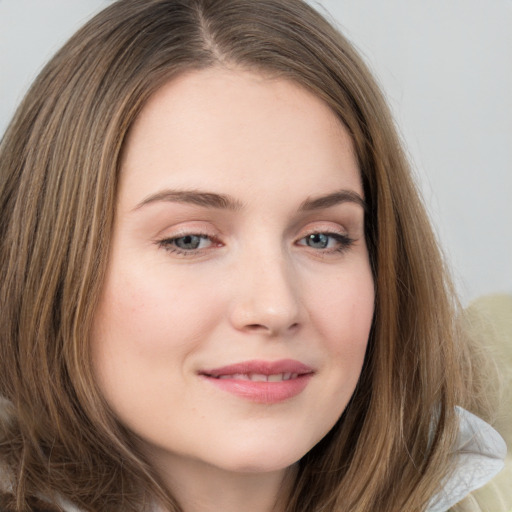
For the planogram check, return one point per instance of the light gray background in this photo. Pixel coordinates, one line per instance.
(446, 68)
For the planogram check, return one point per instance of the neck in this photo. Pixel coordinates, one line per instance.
(203, 488)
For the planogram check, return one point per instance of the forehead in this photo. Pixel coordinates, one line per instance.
(219, 127)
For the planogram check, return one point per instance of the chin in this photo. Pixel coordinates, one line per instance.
(261, 460)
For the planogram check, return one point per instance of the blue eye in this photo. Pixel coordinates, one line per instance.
(317, 241)
(186, 244)
(334, 242)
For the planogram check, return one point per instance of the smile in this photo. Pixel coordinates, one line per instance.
(260, 377)
(261, 381)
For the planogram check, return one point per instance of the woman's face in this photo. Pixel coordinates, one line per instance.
(238, 300)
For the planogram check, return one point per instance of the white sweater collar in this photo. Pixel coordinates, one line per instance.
(480, 456)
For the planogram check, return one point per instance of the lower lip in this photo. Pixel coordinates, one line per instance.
(263, 392)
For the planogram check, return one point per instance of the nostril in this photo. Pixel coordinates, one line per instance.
(255, 327)
(269, 328)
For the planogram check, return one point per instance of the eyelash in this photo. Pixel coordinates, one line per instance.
(169, 244)
(343, 242)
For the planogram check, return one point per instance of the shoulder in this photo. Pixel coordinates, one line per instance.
(479, 457)
(490, 319)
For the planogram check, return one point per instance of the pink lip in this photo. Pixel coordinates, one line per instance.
(261, 391)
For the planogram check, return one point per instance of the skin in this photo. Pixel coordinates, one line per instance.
(263, 279)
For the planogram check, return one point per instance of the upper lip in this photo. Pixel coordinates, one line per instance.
(260, 367)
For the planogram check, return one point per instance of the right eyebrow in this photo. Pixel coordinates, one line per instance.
(196, 197)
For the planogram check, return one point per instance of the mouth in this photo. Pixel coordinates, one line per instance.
(261, 381)
(260, 377)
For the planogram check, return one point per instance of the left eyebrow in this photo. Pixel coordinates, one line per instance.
(333, 199)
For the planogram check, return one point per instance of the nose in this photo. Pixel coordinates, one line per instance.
(266, 298)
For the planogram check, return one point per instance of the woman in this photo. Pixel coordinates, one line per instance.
(220, 290)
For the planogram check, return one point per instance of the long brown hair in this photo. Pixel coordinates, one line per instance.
(59, 164)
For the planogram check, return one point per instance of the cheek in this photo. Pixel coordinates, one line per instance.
(144, 333)
(146, 328)
(343, 312)
(154, 314)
